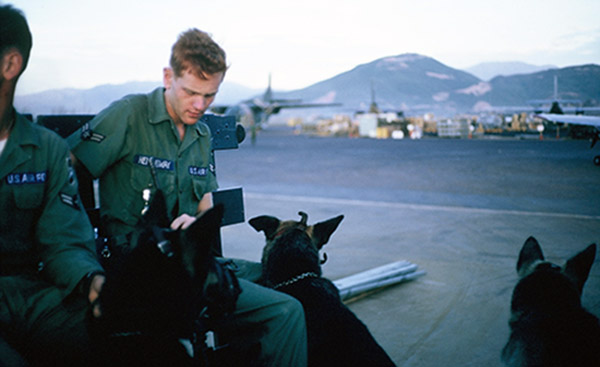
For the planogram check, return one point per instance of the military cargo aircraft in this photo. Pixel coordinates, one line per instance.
(557, 116)
(253, 113)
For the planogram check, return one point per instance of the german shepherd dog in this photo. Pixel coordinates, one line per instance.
(154, 300)
(549, 327)
(291, 264)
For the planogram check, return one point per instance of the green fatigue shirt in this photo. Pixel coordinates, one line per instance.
(122, 144)
(44, 230)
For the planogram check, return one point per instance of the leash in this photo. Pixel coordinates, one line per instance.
(147, 193)
(296, 279)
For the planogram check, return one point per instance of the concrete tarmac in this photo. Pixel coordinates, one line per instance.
(459, 209)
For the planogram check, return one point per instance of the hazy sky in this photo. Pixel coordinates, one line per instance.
(84, 43)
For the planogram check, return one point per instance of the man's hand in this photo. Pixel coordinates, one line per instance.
(95, 287)
(182, 222)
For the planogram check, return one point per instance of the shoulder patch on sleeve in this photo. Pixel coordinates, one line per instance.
(69, 200)
(88, 134)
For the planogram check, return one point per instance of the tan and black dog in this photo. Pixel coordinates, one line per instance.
(290, 261)
(549, 327)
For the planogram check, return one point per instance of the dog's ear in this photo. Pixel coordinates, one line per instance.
(200, 237)
(265, 223)
(578, 267)
(323, 230)
(530, 253)
(157, 212)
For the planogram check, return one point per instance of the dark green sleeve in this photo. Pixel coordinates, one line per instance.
(102, 142)
(201, 156)
(63, 231)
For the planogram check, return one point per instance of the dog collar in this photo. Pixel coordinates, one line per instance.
(295, 279)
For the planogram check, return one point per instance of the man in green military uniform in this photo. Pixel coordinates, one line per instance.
(133, 147)
(48, 269)
(149, 141)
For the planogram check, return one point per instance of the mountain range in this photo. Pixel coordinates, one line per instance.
(489, 70)
(409, 82)
(415, 84)
(93, 100)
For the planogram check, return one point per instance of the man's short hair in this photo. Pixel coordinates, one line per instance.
(197, 52)
(14, 32)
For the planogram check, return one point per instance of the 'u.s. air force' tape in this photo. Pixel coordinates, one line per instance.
(88, 134)
(24, 178)
(70, 200)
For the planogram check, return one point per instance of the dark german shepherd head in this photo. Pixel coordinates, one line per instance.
(549, 327)
(290, 260)
(154, 296)
(292, 247)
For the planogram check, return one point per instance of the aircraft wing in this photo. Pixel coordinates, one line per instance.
(572, 119)
(578, 120)
(306, 105)
(274, 107)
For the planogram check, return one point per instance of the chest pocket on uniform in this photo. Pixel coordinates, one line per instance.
(199, 187)
(141, 178)
(29, 196)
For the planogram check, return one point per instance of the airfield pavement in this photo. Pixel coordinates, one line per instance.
(458, 208)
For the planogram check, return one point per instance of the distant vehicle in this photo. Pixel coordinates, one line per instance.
(255, 112)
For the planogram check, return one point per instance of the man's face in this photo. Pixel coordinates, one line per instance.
(188, 96)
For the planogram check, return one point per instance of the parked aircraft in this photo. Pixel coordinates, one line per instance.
(573, 116)
(253, 113)
(593, 121)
